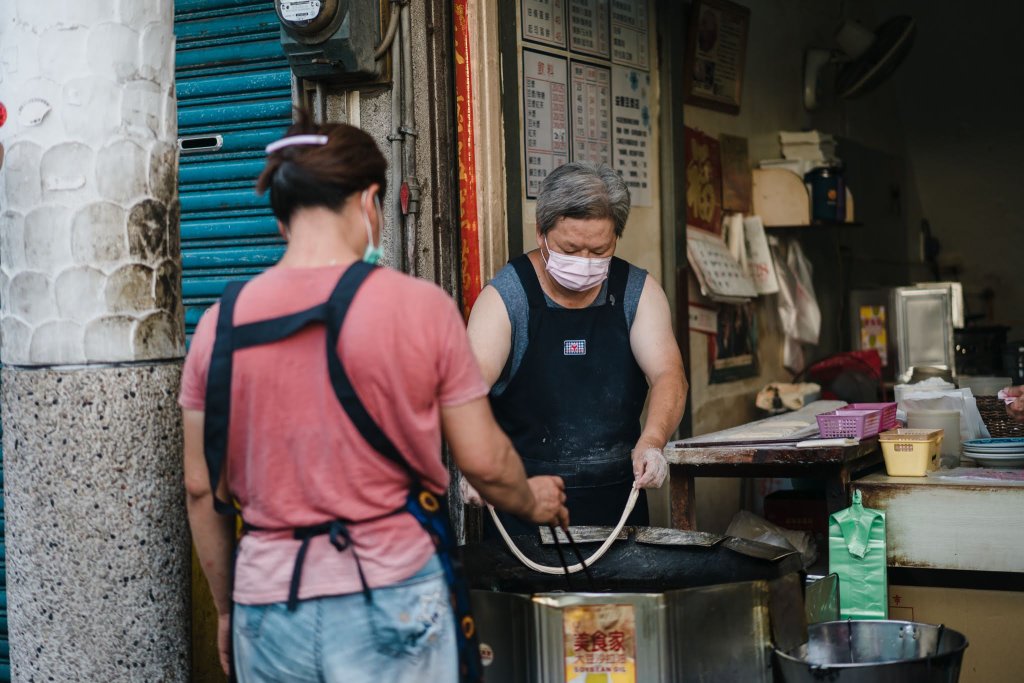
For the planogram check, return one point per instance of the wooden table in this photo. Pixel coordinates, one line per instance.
(837, 465)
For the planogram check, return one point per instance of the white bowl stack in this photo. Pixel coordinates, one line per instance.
(1004, 453)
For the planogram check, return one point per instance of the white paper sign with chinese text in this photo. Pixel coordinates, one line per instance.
(588, 27)
(546, 116)
(631, 131)
(591, 113)
(630, 42)
(544, 21)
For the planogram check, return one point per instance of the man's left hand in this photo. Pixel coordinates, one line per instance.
(649, 468)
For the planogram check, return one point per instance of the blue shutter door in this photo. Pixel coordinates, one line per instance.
(234, 97)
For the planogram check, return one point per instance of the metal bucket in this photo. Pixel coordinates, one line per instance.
(874, 652)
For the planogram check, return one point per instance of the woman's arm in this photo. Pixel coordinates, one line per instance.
(212, 533)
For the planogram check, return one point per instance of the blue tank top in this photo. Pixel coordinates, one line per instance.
(510, 288)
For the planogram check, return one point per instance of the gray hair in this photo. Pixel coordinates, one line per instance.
(583, 190)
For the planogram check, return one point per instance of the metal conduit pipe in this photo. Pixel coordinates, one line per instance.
(409, 135)
(395, 182)
(389, 35)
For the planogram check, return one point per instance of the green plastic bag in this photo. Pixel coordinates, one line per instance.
(856, 552)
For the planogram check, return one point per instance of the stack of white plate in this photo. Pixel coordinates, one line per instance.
(996, 452)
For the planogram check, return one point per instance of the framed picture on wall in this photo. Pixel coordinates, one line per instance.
(716, 54)
(732, 351)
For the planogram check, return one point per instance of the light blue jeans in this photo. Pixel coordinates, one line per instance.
(406, 634)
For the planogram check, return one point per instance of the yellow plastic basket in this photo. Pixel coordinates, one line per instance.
(910, 452)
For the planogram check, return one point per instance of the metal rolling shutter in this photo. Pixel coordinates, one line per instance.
(234, 97)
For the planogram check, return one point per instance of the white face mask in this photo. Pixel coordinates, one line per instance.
(372, 253)
(576, 273)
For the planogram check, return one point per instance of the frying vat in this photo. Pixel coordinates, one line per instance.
(698, 612)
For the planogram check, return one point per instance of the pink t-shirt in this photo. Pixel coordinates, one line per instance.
(295, 459)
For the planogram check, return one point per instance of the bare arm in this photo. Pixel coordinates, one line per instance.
(657, 353)
(212, 533)
(487, 459)
(490, 334)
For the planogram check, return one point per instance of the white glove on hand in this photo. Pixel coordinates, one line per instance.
(650, 468)
(470, 496)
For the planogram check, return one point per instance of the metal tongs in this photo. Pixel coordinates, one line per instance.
(576, 551)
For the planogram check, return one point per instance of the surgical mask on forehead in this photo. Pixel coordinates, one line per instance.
(576, 273)
(373, 253)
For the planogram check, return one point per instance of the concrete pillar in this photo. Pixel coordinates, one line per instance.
(92, 339)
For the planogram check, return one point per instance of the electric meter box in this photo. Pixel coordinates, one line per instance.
(332, 40)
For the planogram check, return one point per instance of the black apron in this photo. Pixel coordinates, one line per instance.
(429, 509)
(573, 407)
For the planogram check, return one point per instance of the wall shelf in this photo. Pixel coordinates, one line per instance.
(812, 226)
(782, 201)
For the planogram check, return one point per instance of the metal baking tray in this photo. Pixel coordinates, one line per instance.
(662, 536)
(583, 534)
(924, 329)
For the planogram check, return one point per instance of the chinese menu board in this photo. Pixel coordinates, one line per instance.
(587, 90)
(600, 643)
(544, 21)
(588, 27)
(545, 104)
(631, 120)
(591, 113)
(630, 43)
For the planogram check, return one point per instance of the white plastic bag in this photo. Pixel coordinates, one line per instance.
(911, 398)
(753, 528)
(798, 306)
(760, 263)
(808, 316)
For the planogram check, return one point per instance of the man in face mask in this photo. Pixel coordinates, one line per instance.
(572, 341)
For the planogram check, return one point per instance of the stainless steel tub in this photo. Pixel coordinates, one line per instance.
(875, 652)
(711, 633)
(663, 606)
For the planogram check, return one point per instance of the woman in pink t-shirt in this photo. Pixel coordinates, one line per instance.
(287, 383)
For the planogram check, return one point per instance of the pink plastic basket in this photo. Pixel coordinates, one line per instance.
(849, 424)
(888, 420)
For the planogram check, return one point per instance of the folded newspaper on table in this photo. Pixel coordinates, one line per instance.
(719, 274)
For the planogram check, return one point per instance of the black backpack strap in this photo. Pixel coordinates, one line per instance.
(218, 395)
(428, 509)
(528, 277)
(276, 329)
(536, 302)
(618, 278)
(337, 309)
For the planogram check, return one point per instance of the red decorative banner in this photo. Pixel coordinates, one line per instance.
(469, 228)
(703, 181)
